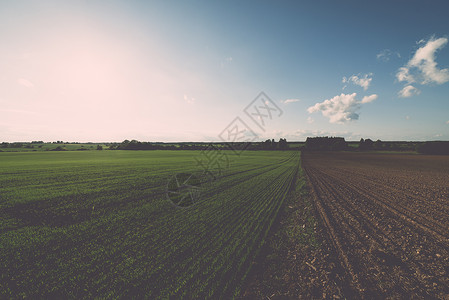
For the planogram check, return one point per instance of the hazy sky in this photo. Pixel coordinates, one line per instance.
(182, 71)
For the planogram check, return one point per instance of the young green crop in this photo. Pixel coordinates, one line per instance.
(100, 223)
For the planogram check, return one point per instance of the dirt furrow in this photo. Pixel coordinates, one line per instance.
(371, 249)
(362, 248)
(408, 203)
(385, 200)
(388, 249)
(329, 222)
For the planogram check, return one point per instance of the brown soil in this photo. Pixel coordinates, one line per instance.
(384, 224)
(388, 219)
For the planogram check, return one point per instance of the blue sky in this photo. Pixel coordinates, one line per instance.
(171, 71)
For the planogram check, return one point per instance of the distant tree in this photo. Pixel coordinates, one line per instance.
(436, 147)
(378, 145)
(267, 145)
(325, 144)
(16, 145)
(365, 145)
(99, 147)
(339, 145)
(283, 144)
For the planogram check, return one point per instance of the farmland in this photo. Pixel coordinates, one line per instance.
(100, 223)
(385, 217)
(103, 224)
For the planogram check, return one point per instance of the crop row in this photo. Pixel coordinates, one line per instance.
(121, 235)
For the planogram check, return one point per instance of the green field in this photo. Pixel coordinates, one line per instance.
(100, 223)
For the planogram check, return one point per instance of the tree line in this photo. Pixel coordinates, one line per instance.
(269, 144)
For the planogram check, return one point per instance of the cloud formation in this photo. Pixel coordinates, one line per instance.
(364, 81)
(341, 108)
(422, 68)
(408, 91)
(385, 55)
(287, 101)
(368, 99)
(403, 74)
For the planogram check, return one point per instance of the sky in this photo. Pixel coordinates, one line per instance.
(104, 71)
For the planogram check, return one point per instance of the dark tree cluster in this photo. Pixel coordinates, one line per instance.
(325, 144)
(366, 145)
(270, 145)
(136, 145)
(11, 145)
(436, 147)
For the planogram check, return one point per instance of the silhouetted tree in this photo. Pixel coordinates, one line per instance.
(436, 147)
(378, 145)
(325, 144)
(283, 144)
(365, 145)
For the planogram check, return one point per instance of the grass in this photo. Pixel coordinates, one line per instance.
(100, 224)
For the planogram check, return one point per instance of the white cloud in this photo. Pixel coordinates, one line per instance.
(289, 101)
(310, 120)
(25, 82)
(404, 75)
(385, 55)
(407, 117)
(368, 99)
(364, 81)
(189, 100)
(422, 67)
(341, 108)
(408, 91)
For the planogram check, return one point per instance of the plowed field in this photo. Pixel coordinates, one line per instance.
(387, 220)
